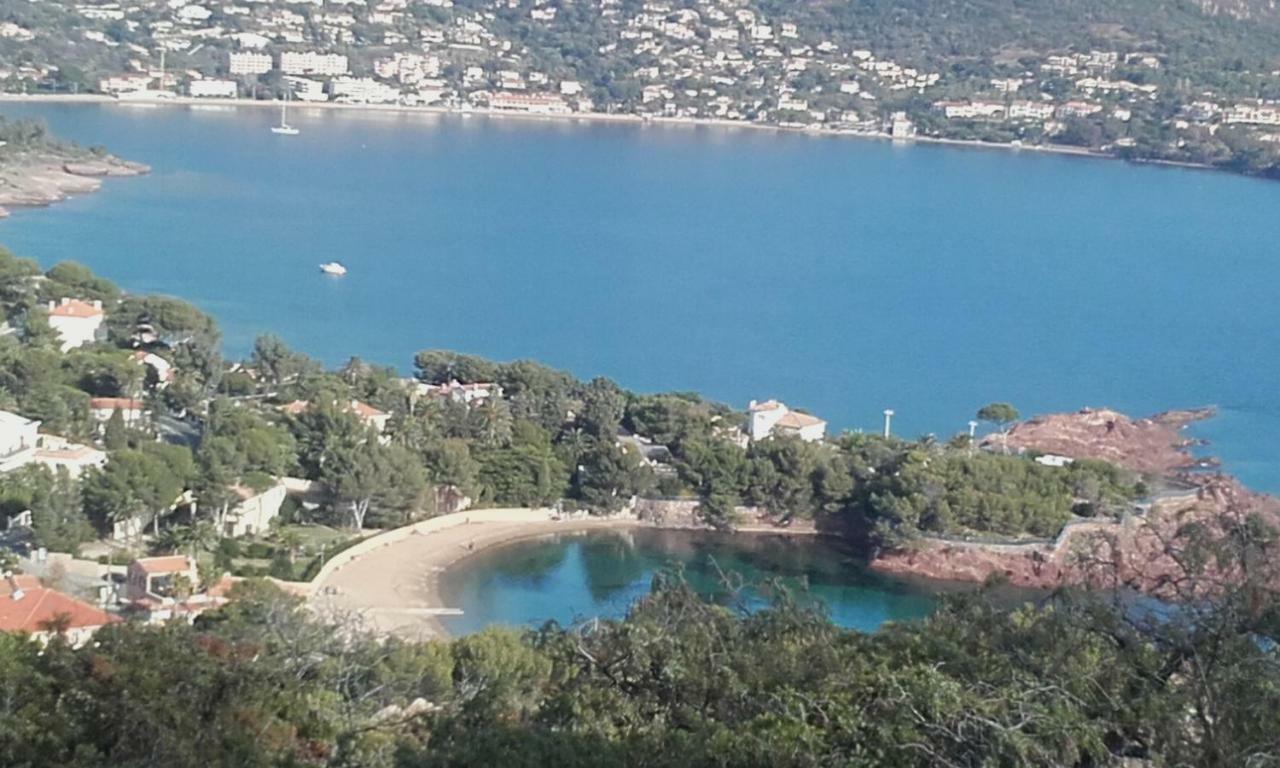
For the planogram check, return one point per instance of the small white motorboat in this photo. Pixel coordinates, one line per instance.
(333, 268)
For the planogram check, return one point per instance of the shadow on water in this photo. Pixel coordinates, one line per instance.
(571, 577)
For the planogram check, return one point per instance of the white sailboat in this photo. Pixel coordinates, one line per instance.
(284, 129)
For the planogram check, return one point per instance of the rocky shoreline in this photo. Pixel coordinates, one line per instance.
(1143, 549)
(44, 179)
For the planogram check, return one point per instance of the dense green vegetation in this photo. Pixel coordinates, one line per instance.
(1076, 681)
(549, 438)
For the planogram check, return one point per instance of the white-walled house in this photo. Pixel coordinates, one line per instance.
(18, 440)
(256, 510)
(774, 418)
(76, 322)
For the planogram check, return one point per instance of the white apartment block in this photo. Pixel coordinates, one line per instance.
(363, 90)
(313, 63)
(212, 89)
(249, 63)
(1254, 114)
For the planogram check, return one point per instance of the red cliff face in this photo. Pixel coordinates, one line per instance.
(1147, 552)
(1153, 446)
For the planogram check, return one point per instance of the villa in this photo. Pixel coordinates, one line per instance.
(772, 418)
(164, 588)
(158, 578)
(27, 607)
(255, 511)
(467, 394)
(76, 322)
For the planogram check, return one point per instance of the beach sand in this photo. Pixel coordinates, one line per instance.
(394, 589)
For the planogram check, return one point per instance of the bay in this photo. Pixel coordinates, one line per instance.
(577, 577)
(842, 276)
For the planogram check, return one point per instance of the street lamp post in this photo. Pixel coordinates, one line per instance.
(888, 419)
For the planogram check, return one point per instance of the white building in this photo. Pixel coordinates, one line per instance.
(76, 322)
(307, 90)
(254, 513)
(1031, 110)
(58, 453)
(313, 63)
(774, 418)
(249, 63)
(18, 440)
(1254, 114)
(212, 89)
(363, 90)
(534, 104)
(467, 394)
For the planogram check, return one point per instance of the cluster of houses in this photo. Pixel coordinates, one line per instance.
(155, 590)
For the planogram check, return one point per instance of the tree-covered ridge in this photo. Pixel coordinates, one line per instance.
(1075, 681)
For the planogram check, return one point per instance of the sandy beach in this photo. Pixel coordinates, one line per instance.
(394, 589)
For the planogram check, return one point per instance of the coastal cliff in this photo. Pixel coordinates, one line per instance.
(1144, 549)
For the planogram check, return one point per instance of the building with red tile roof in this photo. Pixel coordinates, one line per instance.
(28, 607)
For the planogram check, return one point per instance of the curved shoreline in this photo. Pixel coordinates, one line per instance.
(392, 587)
(603, 117)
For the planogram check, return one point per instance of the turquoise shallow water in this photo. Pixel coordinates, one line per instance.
(842, 276)
(572, 577)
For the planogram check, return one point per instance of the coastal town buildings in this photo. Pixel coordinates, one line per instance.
(76, 322)
(313, 63)
(249, 63)
(22, 444)
(770, 418)
(30, 608)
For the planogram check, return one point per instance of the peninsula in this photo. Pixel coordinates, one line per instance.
(37, 169)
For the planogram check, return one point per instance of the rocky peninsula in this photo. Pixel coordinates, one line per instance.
(1144, 549)
(44, 177)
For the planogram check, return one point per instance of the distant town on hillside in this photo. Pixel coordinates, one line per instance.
(1177, 83)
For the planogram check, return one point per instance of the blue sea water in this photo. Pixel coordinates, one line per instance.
(841, 276)
(576, 577)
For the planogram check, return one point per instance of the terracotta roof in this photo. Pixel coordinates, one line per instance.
(75, 308)
(38, 606)
(797, 420)
(166, 564)
(767, 405)
(115, 404)
(366, 411)
(296, 407)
